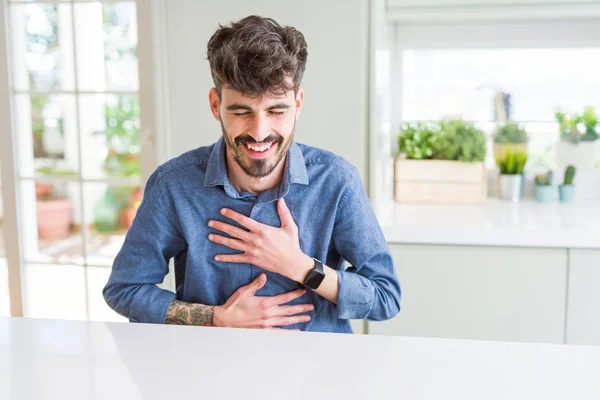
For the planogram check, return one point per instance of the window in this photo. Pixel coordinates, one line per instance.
(75, 96)
(468, 83)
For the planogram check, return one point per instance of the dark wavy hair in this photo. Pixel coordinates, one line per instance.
(255, 55)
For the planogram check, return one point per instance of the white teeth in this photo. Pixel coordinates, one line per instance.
(259, 148)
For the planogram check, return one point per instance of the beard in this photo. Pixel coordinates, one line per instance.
(258, 168)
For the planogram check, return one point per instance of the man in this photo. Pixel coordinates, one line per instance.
(260, 227)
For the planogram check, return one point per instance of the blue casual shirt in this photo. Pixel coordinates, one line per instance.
(335, 220)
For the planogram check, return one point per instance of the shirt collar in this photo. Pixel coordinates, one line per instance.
(216, 170)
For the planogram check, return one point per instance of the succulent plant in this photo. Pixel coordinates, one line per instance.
(461, 140)
(569, 175)
(544, 179)
(418, 140)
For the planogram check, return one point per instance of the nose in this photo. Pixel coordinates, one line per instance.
(260, 128)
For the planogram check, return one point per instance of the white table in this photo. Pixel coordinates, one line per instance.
(45, 359)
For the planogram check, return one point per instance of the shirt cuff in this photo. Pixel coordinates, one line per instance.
(355, 295)
(150, 305)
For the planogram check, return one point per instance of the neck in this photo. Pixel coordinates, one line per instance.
(244, 183)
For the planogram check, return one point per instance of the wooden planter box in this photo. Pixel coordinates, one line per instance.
(440, 181)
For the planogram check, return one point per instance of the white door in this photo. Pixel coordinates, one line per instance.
(72, 163)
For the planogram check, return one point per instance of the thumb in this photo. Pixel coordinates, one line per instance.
(258, 283)
(284, 214)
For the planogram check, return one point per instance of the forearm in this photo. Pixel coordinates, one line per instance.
(182, 313)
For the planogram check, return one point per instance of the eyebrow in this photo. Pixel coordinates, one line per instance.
(236, 106)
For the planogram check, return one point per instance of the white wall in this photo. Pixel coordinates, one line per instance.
(335, 81)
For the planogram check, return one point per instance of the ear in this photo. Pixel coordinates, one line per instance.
(299, 102)
(215, 103)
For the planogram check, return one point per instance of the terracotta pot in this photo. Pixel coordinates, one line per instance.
(127, 216)
(136, 197)
(54, 218)
(42, 189)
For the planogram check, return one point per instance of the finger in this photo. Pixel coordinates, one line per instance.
(283, 311)
(242, 219)
(236, 244)
(285, 297)
(284, 214)
(231, 230)
(285, 321)
(232, 258)
(257, 284)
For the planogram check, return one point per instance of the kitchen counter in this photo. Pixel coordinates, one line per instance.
(46, 359)
(495, 223)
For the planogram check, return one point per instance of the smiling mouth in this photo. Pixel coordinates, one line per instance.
(259, 150)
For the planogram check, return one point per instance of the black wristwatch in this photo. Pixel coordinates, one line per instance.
(315, 277)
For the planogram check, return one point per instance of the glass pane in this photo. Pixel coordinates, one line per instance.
(99, 310)
(46, 136)
(475, 84)
(110, 136)
(437, 83)
(51, 227)
(106, 46)
(55, 291)
(42, 47)
(120, 45)
(109, 212)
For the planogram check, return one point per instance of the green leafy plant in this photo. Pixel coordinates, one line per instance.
(460, 140)
(569, 175)
(418, 140)
(544, 179)
(578, 128)
(122, 138)
(510, 132)
(512, 162)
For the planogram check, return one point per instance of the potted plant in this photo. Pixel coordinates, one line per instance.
(543, 188)
(511, 164)
(566, 191)
(116, 209)
(441, 162)
(509, 135)
(53, 208)
(578, 139)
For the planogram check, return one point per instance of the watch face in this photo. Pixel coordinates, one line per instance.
(314, 279)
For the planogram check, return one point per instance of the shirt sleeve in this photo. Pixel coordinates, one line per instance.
(369, 289)
(143, 261)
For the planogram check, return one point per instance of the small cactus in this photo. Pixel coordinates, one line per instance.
(569, 175)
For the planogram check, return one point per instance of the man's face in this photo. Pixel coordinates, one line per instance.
(257, 131)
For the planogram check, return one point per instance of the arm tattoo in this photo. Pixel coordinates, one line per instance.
(182, 313)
